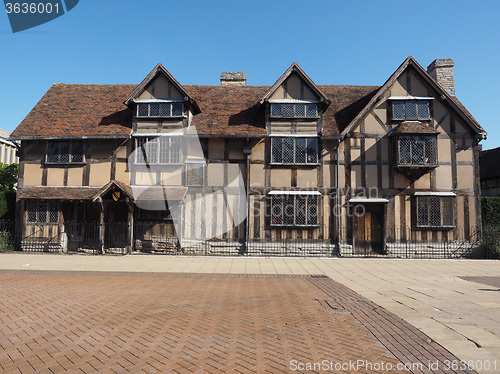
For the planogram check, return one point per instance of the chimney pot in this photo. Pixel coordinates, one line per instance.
(228, 78)
(441, 70)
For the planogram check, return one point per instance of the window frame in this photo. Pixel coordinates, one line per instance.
(291, 220)
(71, 153)
(430, 210)
(425, 143)
(405, 104)
(283, 139)
(159, 144)
(161, 114)
(34, 207)
(294, 110)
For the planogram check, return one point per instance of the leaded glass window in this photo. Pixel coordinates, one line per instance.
(42, 212)
(294, 110)
(294, 210)
(417, 150)
(294, 151)
(64, 152)
(410, 110)
(435, 211)
(160, 109)
(159, 150)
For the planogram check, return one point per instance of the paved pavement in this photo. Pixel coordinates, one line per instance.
(435, 296)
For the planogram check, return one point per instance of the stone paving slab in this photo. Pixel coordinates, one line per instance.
(91, 322)
(489, 281)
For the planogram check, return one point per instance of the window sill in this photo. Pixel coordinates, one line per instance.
(161, 117)
(411, 120)
(66, 163)
(434, 228)
(292, 164)
(293, 227)
(158, 164)
(294, 118)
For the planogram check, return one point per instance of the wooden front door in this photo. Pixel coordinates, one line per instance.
(368, 234)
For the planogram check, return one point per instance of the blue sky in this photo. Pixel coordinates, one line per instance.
(335, 42)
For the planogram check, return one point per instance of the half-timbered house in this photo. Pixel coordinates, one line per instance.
(292, 168)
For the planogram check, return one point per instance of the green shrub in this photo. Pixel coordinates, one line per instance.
(5, 242)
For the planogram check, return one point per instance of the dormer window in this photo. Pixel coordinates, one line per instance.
(410, 109)
(160, 109)
(294, 110)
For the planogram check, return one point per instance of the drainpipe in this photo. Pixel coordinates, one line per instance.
(247, 151)
(339, 208)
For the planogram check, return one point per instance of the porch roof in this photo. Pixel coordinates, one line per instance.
(59, 193)
(158, 193)
(137, 193)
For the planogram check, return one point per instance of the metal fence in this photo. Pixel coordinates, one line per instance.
(161, 238)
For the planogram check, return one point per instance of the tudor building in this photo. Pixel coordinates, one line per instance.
(340, 169)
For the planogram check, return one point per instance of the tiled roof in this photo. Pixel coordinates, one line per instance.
(59, 193)
(489, 163)
(137, 193)
(72, 110)
(75, 110)
(413, 127)
(143, 193)
(467, 113)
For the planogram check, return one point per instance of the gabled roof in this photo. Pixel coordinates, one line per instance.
(160, 69)
(455, 104)
(125, 188)
(98, 111)
(295, 68)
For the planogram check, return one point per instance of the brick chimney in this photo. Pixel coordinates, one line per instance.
(228, 78)
(441, 70)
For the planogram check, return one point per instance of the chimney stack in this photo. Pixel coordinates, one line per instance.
(233, 78)
(441, 70)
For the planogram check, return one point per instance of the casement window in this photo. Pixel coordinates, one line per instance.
(416, 150)
(435, 211)
(65, 152)
(42, 212)
(294, 151)
(194, 174)
(158, 150)
(294, 209)
(294, 110)
(167, 109)
(410, 110)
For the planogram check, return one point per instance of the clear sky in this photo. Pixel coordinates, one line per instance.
(334, 41)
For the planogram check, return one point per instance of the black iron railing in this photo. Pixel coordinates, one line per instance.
(160, 237)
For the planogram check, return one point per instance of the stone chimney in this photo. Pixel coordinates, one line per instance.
(441, 70)
(228, 78)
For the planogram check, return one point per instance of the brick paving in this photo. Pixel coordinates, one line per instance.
(85, 322)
